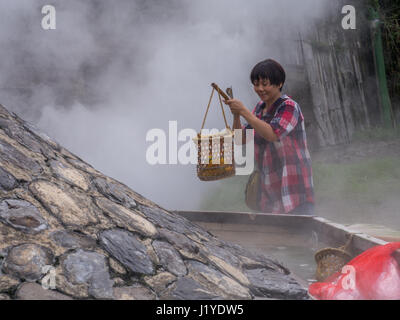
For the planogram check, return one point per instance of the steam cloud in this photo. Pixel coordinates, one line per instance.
(112, 70)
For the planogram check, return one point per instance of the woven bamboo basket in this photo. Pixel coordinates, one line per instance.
(215, 159)
(215, 156)
(331, 260)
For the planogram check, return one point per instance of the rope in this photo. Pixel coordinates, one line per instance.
(222, 108)
(208, 107)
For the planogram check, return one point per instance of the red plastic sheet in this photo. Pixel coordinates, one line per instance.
(373, 275)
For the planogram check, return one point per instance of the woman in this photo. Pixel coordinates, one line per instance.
(280, 137)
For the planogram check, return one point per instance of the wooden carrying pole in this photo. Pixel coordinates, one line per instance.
(222, 93)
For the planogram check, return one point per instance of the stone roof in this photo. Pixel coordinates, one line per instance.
(69, 232)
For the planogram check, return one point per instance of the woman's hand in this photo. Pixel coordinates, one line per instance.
(236, 106)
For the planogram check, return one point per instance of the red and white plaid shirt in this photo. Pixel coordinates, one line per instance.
(286, 165)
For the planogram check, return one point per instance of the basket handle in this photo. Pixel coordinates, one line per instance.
(220, 93)
(215, 86)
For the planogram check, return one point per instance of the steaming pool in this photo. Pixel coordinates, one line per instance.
(292, 240)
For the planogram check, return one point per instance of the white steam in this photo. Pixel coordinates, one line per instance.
(113, 70)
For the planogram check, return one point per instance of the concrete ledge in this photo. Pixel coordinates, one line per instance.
(287, 221)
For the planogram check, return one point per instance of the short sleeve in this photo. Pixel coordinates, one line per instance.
(285, 120)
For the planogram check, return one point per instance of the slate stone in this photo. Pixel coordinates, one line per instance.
(127, 249)
(174, 222)
(18, 159)
(72, 207)
(217, 282)
(169, 258)
(26, 261)
(127, 218)
(134, 292)
(72, 240)
(188, 289)
(16, 132)
(81, 165)
(114, 191)
(165, 220)
(34, 291)
(22, 215)
(229, 269)
(224, 254)
(79, 291)
(7, 180)
(39, 133)
(267, 283)
(69, 174)
(86, 267)
(183, 244)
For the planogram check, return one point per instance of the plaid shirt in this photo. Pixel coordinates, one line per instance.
(286, 164)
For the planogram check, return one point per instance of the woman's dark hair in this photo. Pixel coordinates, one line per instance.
(268, 69)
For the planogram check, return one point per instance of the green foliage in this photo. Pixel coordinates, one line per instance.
(389, 14)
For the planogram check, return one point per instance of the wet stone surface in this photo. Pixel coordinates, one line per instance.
(22, 215)
(217, 282)
(26, 261)
(72, 240)
(71, 207)
(69, 174)
(189, 289)
(21, 135)
(169, 258)
(34, 291)
(135, 292)
(33, 129)
(7, 180)
(167, 221)
(127, 249)
(85, 267)
(18, 159)
(179, 241)
(127, 218)
(114, 191)
(275, 285)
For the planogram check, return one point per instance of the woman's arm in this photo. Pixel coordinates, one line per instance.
(261, 127)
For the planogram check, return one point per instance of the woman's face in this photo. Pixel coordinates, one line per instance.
(266, 91)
